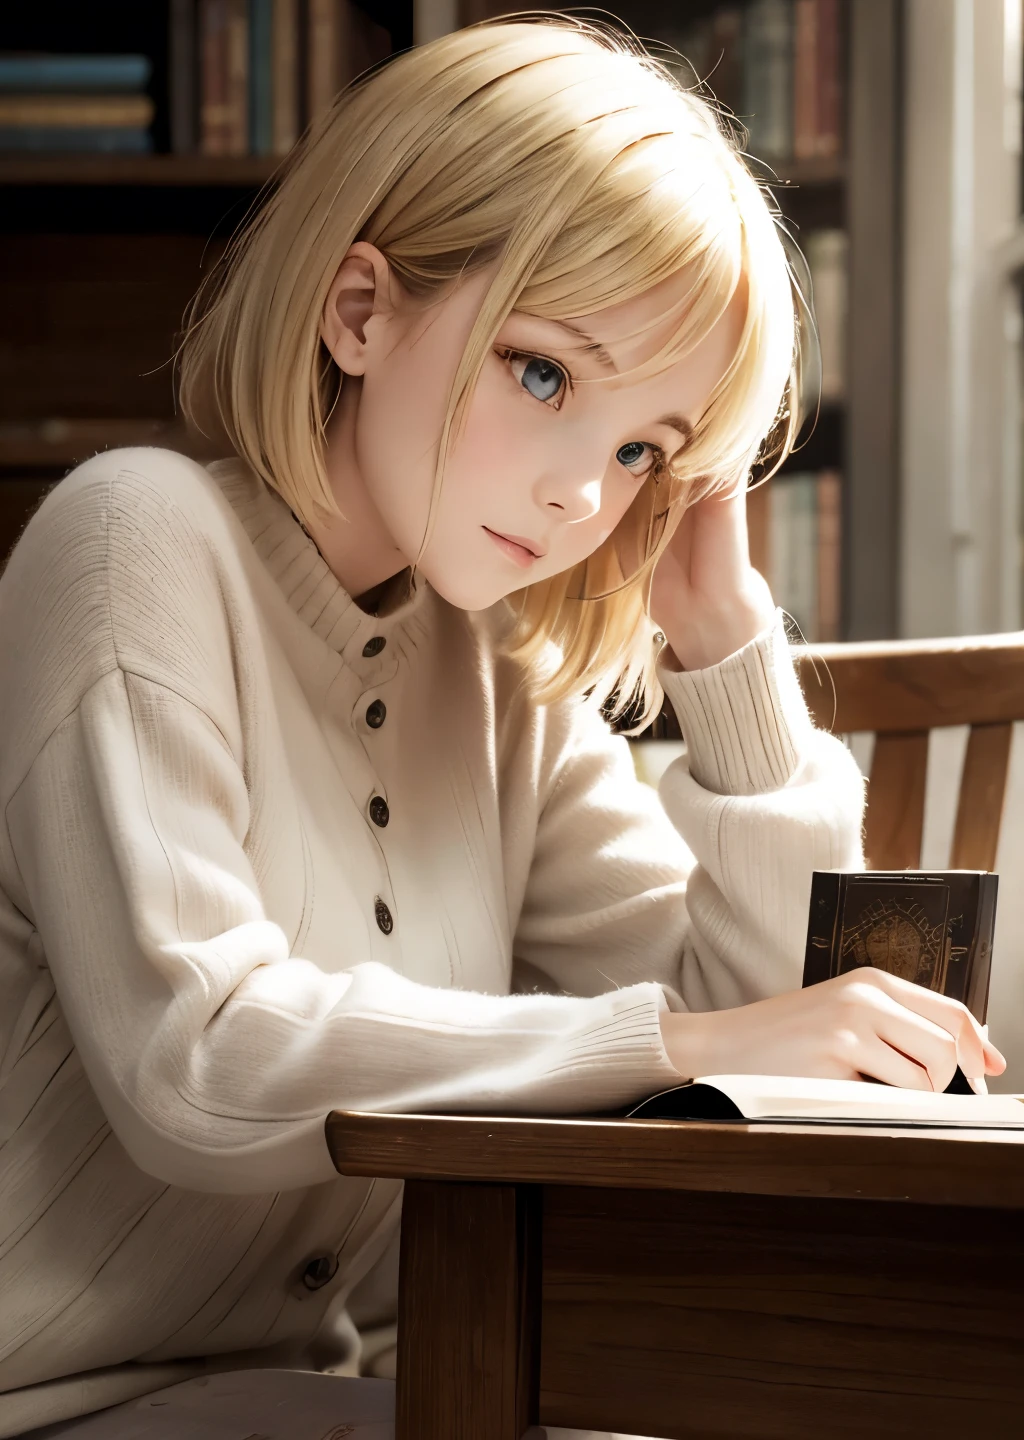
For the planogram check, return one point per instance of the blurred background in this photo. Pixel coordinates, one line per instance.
(133, 139)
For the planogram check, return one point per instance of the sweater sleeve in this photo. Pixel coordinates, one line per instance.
(215, 1053)
(706, 890)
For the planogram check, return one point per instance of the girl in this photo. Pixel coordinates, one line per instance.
(308, 798)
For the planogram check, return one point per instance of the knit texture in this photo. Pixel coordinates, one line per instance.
(255, 866)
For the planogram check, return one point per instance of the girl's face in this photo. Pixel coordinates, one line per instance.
(546, 465)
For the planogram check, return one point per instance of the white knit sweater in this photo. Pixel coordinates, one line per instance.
(256, 864)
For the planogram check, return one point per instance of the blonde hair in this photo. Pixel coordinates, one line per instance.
(573, 161)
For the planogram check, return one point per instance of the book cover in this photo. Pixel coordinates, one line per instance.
(183, 77)
(284, 80)
(67, 139)
(793, 543)
(363, 42)
(829, 556)
(261, 106)
(726, 56)
(323, 56)
(828, 262)
(77, 111)
(74, 72)
(693, 43)
(805, 79)
(830, 80)
(933, 928)
(768, 78)
(213, 23)
(236, 117)
(796, 1100)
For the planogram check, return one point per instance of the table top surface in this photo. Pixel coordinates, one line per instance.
(945, 1167)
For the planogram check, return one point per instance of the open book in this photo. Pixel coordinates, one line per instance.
(795, 1100)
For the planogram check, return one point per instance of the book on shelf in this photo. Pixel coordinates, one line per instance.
(796, 1100)
(827, 253)
(247, 76)
(768, 78)
(183, 70)
(795, 539)
(286, 93)
(77, 111)
(40, 74)
(777, 66)
(816, 89)
(67, 139)
(75, 103)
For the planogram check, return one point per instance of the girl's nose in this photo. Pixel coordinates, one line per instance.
(575, 496)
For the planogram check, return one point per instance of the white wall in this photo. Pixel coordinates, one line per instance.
(960, 455)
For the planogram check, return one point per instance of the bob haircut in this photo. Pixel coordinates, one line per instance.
(563, 154)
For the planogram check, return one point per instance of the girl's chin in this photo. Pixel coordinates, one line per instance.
(471, 593)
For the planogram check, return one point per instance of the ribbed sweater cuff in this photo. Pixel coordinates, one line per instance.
(619, 1056)
(744, 721)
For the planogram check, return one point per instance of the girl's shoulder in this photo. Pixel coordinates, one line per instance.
(118, 516)
(139, 484)
(126, 565)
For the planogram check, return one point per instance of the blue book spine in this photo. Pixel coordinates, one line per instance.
(74, 72)
(62, 139)
(261, 117)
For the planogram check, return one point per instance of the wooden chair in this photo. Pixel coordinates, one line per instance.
(902, 689)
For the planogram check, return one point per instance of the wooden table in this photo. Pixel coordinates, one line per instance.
(684, 1280)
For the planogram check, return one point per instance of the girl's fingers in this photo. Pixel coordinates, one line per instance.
(932, 1048)
(976, 1055)
(879, 1061)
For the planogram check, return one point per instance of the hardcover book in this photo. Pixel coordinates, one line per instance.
(933, 928)
(794, 1100)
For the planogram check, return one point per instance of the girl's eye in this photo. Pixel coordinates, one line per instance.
(542, 379)
(638, 457)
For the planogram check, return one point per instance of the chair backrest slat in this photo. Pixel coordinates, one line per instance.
(982, 791)
(902, 689)
(894, 823)
(891, 686)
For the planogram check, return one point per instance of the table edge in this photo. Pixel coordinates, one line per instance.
(979, 1168)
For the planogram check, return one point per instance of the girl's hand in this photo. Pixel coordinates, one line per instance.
(864, 1023)
(705, 594)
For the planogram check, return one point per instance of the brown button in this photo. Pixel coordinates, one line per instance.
(320, 1272)
(383, 916)
(379, 812)
(375, 714)
(374, 646)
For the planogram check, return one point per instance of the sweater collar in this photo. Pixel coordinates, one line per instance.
(300, 571)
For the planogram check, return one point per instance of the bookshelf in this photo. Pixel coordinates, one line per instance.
(100, 253)
(177, 170)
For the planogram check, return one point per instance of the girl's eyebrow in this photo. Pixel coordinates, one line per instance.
(591, 346)
(675, 421)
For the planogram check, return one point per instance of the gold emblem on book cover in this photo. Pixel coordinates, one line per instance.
(898, 937)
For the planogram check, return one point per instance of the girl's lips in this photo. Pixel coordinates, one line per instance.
(521, 554)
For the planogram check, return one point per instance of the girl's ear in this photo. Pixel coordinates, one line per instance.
(359, 291)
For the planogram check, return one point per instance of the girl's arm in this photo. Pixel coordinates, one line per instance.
(706, 892)
(215, 1053)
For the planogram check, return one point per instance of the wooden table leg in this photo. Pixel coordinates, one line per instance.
(469, 1312)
